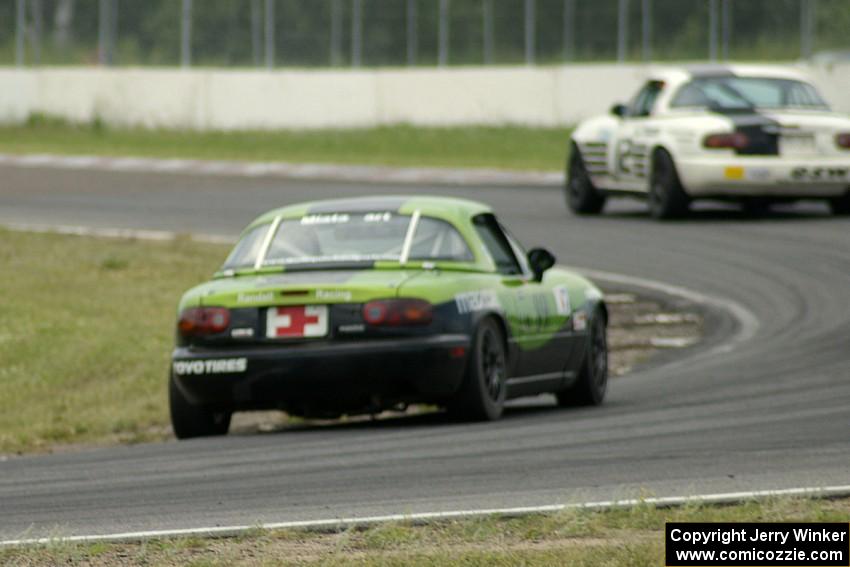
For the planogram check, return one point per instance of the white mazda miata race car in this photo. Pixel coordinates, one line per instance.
(754, 135)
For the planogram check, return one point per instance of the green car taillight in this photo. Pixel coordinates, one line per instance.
(202, 321)
(398, 312)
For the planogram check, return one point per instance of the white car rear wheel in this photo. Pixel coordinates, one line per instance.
(583, 198)
(840, 206)
(667, 199)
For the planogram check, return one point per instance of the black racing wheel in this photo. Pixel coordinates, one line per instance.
(667, 198)
(840, 206)
(189, 420)
(592, 382)
(583, 198)
(481, 396)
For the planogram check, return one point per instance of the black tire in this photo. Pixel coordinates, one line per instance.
(755, 207)
(189, 420)
(840, 206)
(592, 382)
(667, 199)
(583, 198)
(481, 396)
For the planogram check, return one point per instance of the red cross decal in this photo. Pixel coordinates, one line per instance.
(297, 321)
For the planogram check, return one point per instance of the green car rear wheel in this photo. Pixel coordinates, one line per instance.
(482, 395)
(189, 420)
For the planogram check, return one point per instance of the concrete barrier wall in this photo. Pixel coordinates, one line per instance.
(226, 100)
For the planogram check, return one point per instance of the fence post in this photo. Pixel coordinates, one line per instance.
(256, 32)
(726, 28)
(20, 32)
(412, 32)
(356, 33)
(813, 25)
(336, 33)
(807, 28)
(37, 29)
(622, 30)
(186, 34)
(113, 30)
(270, 25)
(569, 29)
(443, 34)
(104, 21)
(530, 29)
(712, 30)
(487, 29)
(804, 29)
(646, 30)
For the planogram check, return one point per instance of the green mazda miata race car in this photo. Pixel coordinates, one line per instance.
(363, 305)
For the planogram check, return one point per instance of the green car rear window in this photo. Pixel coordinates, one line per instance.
(350, 237)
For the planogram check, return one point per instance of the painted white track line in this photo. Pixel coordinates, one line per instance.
(285, 170)
(424, 517)
(747, 321)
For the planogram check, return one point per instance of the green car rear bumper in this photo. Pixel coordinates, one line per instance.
(339, 377)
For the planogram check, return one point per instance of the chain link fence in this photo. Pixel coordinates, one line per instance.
(341, 33)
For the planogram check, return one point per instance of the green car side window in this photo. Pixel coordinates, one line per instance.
(497, 244)
(519, 253)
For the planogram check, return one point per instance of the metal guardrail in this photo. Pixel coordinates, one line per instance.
(340, 33)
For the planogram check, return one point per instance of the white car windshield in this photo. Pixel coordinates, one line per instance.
(733, 93)
(348, 238)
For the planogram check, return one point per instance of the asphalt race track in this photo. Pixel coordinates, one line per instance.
(772, 412)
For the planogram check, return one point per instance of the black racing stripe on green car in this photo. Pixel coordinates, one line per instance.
(359, 205)
(310, 267)
(312, 277)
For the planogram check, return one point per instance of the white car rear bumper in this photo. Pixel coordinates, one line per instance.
(733, 176)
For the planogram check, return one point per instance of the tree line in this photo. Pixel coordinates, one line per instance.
(229, 32)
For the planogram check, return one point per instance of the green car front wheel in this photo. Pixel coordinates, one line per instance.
(592, 382)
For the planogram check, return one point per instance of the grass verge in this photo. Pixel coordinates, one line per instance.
(86, 335)
(623, 537)
(511, 148)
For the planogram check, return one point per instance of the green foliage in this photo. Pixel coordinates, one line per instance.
(41, 121)
(149, 31)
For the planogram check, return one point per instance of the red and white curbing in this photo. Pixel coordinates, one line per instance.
(285, 170)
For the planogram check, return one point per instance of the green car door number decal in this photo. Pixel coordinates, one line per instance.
(539, 313)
